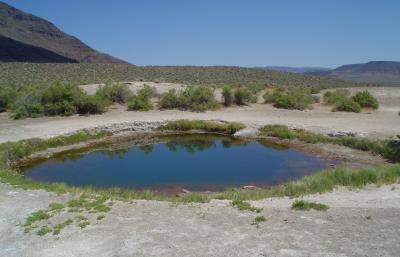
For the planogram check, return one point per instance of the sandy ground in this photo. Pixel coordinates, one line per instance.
(375, 124)
(359, 223)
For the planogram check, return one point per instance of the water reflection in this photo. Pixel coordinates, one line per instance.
(196, 162)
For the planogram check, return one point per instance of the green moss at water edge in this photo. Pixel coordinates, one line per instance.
(319, 182)
(386, 148)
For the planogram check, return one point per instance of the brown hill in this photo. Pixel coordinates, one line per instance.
(30, 30)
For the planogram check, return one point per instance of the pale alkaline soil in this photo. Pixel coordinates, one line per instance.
(358, 223)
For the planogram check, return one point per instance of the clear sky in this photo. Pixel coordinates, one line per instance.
(325, 33)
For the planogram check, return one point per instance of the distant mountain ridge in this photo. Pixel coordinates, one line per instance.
(295, 69)
(373, 72)
(35, 36)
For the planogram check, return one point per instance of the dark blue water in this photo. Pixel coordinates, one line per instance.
(193, 162)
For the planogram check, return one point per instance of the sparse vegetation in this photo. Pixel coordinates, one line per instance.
(92, 205)
(100, 217)
(36, 216)
(114, 92)
(13, 151)
(141, 101)
(56, 206)
(195, 98)
(208, 126)
(299, 98)
(306, 206)
(366, 100)
(56, 99)
(57, 228)
(347, 105)
(341, 100)
(44, 230)
(245, 206)
(258, 219)
(227, 95)
(86, 73)
(386, 148)
(242, 96)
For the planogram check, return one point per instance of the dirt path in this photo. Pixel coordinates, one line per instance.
(376, 124)
(359, 223)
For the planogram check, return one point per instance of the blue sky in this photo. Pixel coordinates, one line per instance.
(230, 32)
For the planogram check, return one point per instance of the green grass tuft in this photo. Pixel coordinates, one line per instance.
(245, 206)
(36, 216)
(257, 220)
(44, 230)
(56, 206)
(208, 126)
(306, 206)
(57, 228)
(100, 217)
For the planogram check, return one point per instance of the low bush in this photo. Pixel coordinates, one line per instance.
(114, 92)
(366, 100)
(91, 105)
(342, 102)
(347, 105)
(242, 96)
(299, 98)
(141, 101)
(208, 126)
(139, 104)
(57, 99)
(195, 98)
(333, 97)
(227, 95)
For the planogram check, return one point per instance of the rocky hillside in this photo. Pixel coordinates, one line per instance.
(42, 41)
(374, 72)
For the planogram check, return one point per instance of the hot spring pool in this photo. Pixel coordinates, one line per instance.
(194, 162)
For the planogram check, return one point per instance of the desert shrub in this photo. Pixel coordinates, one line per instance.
(169, 100)
(141, 101)
(137, 103)
(242, 96)
(227, 95)
(298, 98)
(146, 92)
(114, 92)
(195, 98)
(58, 93)
(365, 99)
(56, 99)
(333, 97)
(6, 97)
(270, 97)
(64, 108)
(27, 111)
(347, 105)
(91, 104)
